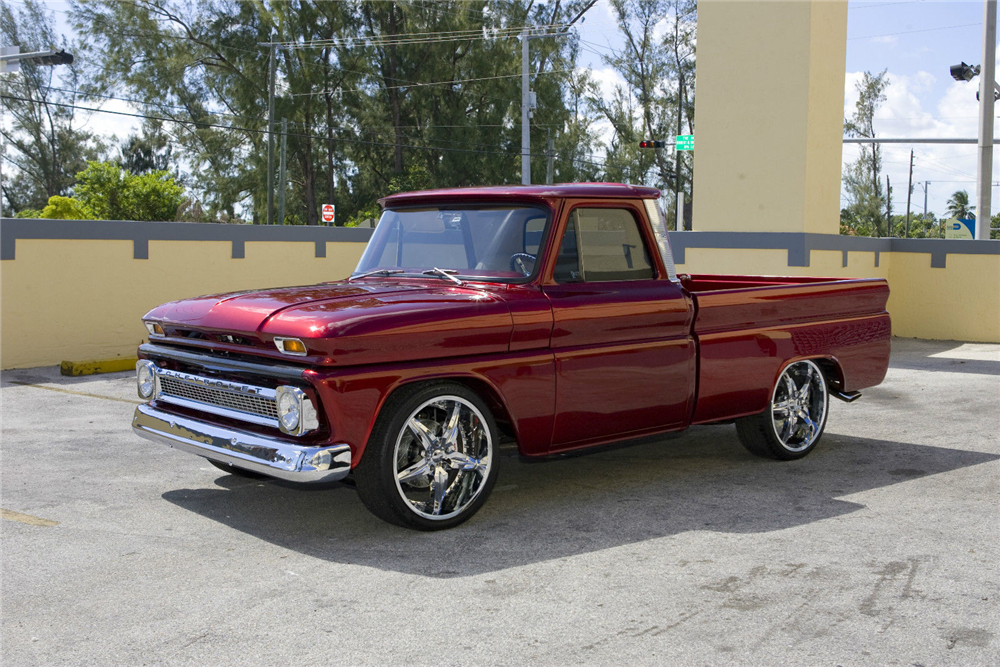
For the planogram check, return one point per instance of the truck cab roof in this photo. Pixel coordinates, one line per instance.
(524, 192)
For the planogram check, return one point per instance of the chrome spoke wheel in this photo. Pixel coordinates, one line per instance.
(798, 406)
(443, 456)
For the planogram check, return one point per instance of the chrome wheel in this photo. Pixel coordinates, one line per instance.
(443, 456)
(798, 406)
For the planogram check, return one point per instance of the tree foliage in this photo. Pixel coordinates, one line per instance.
(113, 193)
(867, 201)
(657, 98)
(958, 206)
(45, 142)
(374, 93)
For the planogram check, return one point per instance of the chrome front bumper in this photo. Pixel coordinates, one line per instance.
(267, 456)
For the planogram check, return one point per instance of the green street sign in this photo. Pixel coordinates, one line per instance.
(685, 142)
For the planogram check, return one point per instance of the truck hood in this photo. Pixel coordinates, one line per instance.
(355, 323)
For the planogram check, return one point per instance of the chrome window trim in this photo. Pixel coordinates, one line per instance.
(658, 223)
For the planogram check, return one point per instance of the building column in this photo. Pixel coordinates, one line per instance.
(769, 116)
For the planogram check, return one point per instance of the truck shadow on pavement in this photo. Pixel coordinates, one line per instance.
(559, 508)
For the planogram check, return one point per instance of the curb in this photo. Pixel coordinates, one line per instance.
(94, 367)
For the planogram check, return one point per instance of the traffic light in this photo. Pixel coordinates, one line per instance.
(652, 143)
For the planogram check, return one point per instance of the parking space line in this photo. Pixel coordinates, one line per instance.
(76, 393)
(11, 515)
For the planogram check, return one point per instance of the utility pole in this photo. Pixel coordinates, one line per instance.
(926, 184)
(281, 172)
(987, 84)
(550, 155)
(888, 207)
(678, 194)
(270, 136)
(525, 112)
(909, 193)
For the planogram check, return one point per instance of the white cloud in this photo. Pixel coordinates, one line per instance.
(911, 111)
(112, 126)
(607, 80)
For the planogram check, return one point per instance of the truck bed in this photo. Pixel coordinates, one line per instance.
(747, 326)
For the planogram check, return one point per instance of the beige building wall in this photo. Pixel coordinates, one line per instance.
(74, 300)
(769, 116)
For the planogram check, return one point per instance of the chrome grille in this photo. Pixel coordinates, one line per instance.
(230, 399)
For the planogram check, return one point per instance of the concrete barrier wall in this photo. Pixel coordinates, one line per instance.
(73, 291)
(76, 290)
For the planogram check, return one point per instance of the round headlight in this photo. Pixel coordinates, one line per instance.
(289, 408)
(145, 379)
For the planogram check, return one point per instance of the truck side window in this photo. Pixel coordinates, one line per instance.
(602, 244)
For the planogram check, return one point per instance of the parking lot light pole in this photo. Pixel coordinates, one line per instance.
(11, 58)
(984, 180)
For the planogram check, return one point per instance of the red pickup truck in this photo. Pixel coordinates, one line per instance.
(550, 316)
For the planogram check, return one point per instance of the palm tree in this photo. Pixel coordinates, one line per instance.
(958, 206)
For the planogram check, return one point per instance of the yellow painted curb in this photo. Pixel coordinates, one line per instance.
(11, 515)
(99, 366)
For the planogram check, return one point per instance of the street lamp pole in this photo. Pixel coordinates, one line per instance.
(525, 112)
(984, 179)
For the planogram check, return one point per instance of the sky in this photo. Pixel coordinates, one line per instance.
(916, 40)
(922, 98)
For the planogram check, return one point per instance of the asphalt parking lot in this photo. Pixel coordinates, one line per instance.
(880, 548)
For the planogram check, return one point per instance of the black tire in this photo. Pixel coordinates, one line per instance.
(234, 470)
(394, 443)
(793, 423)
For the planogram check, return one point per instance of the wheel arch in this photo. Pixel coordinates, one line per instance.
(833, 372)
(481, 386)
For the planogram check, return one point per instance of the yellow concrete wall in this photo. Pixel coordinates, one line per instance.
(73, 300)
(70, 300)
(769, 116)
(958, 302)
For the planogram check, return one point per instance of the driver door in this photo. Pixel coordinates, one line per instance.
(621, 336)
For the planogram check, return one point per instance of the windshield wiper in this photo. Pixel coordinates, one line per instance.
(375, 272)
(444, 273)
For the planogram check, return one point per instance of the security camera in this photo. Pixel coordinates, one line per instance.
(964, 72)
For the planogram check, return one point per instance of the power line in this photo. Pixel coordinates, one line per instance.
(429, 83)
(911, 32)
(294, 123)
(403, 39)
(885, 4)
(199, 124)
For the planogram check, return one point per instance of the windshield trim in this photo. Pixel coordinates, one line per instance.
(414, 272)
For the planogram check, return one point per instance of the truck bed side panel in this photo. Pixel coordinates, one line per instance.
(748, 335)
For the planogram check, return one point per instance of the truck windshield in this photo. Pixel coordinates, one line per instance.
(487, 242)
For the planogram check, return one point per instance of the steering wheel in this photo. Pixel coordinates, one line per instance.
(517, 262)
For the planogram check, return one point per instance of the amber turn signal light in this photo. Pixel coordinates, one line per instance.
(154, 328)
(290, 346)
